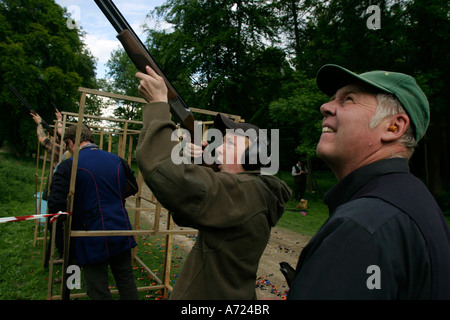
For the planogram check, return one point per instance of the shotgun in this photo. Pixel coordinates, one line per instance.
(44, 124)
(141, 58)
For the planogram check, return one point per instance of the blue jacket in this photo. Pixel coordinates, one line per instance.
(99, 202)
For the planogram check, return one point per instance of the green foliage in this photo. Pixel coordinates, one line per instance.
(220, 47)
(259, 60)
(35, 43)
(123, 71)
(298, 117)
(17, 181)
(19, 260)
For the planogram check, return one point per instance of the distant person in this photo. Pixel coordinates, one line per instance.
(103, 182)
(51, 145)
(299, 172)
(386, 237)
(49, 142)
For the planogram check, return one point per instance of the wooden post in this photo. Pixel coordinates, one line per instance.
(123, 141)
(65, 292)
(130, 150)
(51, 263)
(168, 258)
(109, 142)
(163, 283)
(137, 216)
(39, 191)
(44, 245)
(63, 147)
(102, 132)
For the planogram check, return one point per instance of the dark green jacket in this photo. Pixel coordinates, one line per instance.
(233, 213)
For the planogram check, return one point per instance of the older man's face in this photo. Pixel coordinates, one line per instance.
(347, 142)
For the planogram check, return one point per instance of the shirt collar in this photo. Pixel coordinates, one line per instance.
(88, 145)
(347, 187)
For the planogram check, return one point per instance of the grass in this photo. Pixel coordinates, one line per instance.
(22, 276)
(307, 222)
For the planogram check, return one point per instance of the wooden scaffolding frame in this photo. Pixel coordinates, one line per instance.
(169, 232)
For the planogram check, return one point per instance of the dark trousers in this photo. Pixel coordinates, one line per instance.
(299, 187)
(96, 278)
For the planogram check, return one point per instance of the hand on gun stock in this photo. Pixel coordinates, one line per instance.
(32, 111)
(154, 86)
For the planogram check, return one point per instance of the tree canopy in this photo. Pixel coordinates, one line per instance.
(254, 58)
(35, 43)
(259, 59)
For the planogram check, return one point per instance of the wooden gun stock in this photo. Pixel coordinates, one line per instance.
(141, 58)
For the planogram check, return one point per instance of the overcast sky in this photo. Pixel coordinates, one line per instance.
(100, 35)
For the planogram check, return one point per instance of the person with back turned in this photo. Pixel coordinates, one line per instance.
(103, 182)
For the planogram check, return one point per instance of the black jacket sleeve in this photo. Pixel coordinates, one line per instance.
(132, 186)
(367, 250)
(59, 189)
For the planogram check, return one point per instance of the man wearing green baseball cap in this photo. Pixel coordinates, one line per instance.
(386, 237)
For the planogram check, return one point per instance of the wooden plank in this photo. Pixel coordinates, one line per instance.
(111, 233)
(142, 100)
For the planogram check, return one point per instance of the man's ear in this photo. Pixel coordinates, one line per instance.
(395, 127)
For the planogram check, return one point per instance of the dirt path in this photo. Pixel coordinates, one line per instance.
(284, 245)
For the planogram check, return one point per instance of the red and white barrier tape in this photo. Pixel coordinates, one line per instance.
(32, 217)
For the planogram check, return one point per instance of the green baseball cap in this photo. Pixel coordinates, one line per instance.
(331, 78)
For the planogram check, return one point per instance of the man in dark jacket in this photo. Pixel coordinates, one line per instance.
(99, 204)
(299, 172)
(233, 209)
(386, 237)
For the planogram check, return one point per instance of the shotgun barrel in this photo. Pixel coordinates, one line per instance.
(141, 58)
(26, 104)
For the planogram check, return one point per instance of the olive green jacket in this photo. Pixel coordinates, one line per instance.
(233, 213)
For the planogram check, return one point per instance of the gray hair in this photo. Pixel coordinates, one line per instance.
(388, 106)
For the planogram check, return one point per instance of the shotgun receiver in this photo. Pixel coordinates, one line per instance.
(141, 58)
(44, 124)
